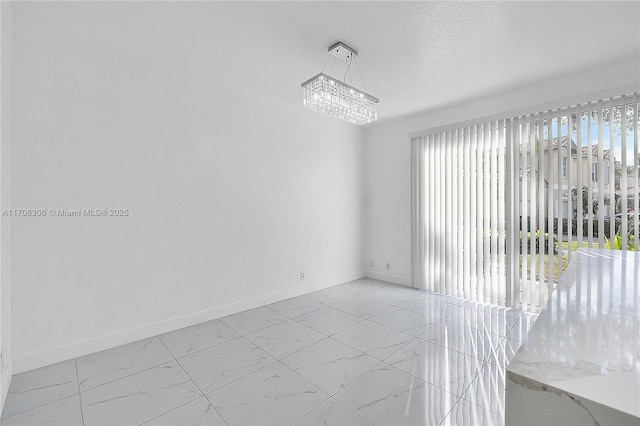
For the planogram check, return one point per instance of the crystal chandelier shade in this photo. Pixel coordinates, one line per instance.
(328, 95)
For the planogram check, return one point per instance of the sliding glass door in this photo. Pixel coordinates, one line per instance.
(500, 207)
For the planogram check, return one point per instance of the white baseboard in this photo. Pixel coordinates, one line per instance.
(390, 278)
(4, 385)
(75, 350)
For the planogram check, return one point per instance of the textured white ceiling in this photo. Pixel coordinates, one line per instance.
(413, 55)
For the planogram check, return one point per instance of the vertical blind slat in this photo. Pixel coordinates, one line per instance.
(526, 214)
(457, 170)
(590, 175)
(579, 193)
(467, 217)
(550, 205)
(473, 211)
(437, 227)
(636, 163)
(432, 193)
(558, 202)
(494, 227)
(511, 226)
(441, 214)
(623, 179)
(538, 298)
(600, 176)
(479, 216)
(569, 166)
(500, 193)
(448, 213)
(486, 145)
(532, 179)
(611, 178)
(460, 170)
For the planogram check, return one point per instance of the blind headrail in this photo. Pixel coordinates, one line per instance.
(551, 106)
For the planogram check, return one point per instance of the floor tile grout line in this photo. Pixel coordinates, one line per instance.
(347, 294)
(198, 387)
(367, 353)
(48, 402)
(131, 374)
(323, 339)
(313, 310)
(301, 376)
(75, 362)
(325, 336)
(166, 347)
(291, 319)
(242, 377)
(208, 347)
(397, 308)
(172, 410)
(347, 312)
(330, 396)
(313, 408)
(429, 315)
(370, 322)
(292, 353)
(367, 291)
(357, 350)
(37, 406)
(357, 316)
(128, 375)
(458, 398)
(357, 378)
(348, 408)
(391, 306)
(446, 416)
(277, 361)
(468, 326)
(461, 352)
(401, 348)
(475, 403)
(458, 351)
(309, 381)
(329, 335)
(483, 362)
(233, 329)
(428, 326)
(258, 329)
(354, 348)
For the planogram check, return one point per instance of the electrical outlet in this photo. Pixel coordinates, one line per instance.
(388, 266)
(301, 276)
(370, 263)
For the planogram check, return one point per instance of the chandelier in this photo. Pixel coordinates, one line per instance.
(329, 95)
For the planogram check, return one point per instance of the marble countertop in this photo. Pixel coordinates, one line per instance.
(586, 341)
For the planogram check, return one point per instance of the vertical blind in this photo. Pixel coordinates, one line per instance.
(459, 212)
(500, 207)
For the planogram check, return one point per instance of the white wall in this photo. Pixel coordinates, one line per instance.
(388, 157)
(5, 191)
(231, 194)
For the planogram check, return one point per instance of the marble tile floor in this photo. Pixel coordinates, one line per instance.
(361, 353)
